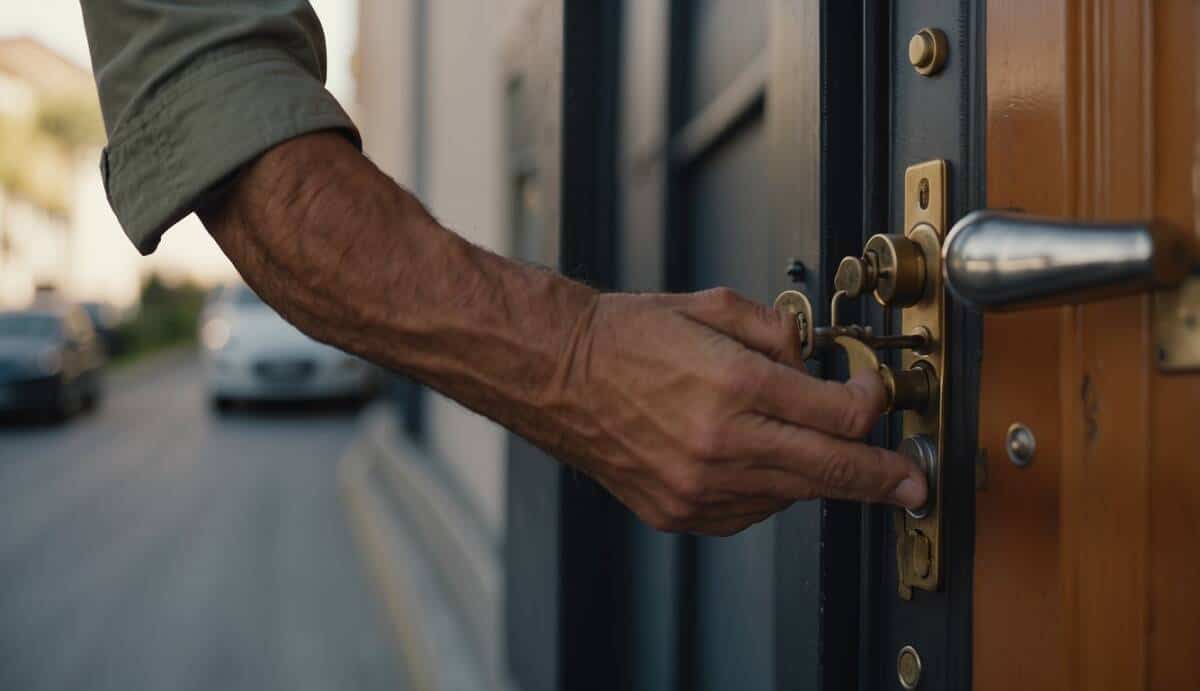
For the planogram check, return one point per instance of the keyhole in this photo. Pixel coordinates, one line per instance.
(923, 193)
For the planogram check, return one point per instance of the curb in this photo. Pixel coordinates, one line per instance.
(438, 573)
(468, 561)
(384, 570)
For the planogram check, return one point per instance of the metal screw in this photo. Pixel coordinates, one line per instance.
(1021, 445)
(796, 271)
(908, 668)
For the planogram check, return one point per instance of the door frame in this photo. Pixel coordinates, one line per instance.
(938, 117)
(566, 555)
(833, 163)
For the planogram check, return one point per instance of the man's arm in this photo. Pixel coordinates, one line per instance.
(687, 407)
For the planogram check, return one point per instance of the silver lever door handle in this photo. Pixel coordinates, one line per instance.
(999, 261)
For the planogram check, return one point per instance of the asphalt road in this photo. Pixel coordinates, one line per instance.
(151, 545)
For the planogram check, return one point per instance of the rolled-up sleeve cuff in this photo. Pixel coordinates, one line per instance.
(212, 118)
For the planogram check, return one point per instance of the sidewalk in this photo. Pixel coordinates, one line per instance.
(437, 577)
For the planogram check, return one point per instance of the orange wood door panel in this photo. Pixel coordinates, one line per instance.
(1087, 562)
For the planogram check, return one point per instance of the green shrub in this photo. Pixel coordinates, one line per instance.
(166, 316)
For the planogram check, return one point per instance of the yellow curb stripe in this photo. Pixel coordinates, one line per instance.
(386, 573)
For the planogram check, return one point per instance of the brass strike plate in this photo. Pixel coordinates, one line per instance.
(1177, 327)
(918, 540)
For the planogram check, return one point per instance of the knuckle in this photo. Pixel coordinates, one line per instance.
(705, 442)
(839, 471)
(689, 486)
(679, 514)
(782, 323)
(785, 336)
(744, 380)
(723, 297)
(858, 417)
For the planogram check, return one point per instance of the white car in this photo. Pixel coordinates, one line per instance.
(252, 354)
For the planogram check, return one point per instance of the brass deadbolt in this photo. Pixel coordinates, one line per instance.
(899, 270)
(927, 51)
(892, 267)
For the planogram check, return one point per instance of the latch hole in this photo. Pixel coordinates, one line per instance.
(923, 193)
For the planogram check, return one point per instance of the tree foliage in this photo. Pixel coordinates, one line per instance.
(167, 315)
(72, 123)
(37, 153)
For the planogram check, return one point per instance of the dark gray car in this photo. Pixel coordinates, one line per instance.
(50, 361)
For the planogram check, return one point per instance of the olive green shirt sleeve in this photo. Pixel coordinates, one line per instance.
(191, 90)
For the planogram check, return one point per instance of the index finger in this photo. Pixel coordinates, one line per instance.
(797, 463)
(845, 409)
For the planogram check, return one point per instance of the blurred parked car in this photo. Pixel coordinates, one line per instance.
(106, 322)
(50, 360)
(252, 354)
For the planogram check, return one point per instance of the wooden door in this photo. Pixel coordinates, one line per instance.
(1087, 569)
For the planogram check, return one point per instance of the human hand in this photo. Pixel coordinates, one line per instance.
(695, 412)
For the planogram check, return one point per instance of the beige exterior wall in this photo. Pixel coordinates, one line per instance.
(465, 183)
(55, 224)
(384, 104)
(464, 178)
(101, 264)
(32, 246)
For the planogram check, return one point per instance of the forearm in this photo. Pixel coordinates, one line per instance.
(689, 408)
(354, 260)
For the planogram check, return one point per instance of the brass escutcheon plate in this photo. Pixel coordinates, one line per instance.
(918, 540)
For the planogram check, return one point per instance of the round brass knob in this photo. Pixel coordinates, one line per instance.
(927, 51)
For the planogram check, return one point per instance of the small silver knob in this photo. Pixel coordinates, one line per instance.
(923, 451)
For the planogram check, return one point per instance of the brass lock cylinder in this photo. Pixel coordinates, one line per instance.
(899, 268)
(910, 389)
(892, 267)
(903, 271)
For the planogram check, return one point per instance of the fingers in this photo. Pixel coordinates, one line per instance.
(796, 463)
(786, 391)
(756, 326)
(848, 410)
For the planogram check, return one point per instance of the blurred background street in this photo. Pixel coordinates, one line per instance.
(152, 545)
(195, 495)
